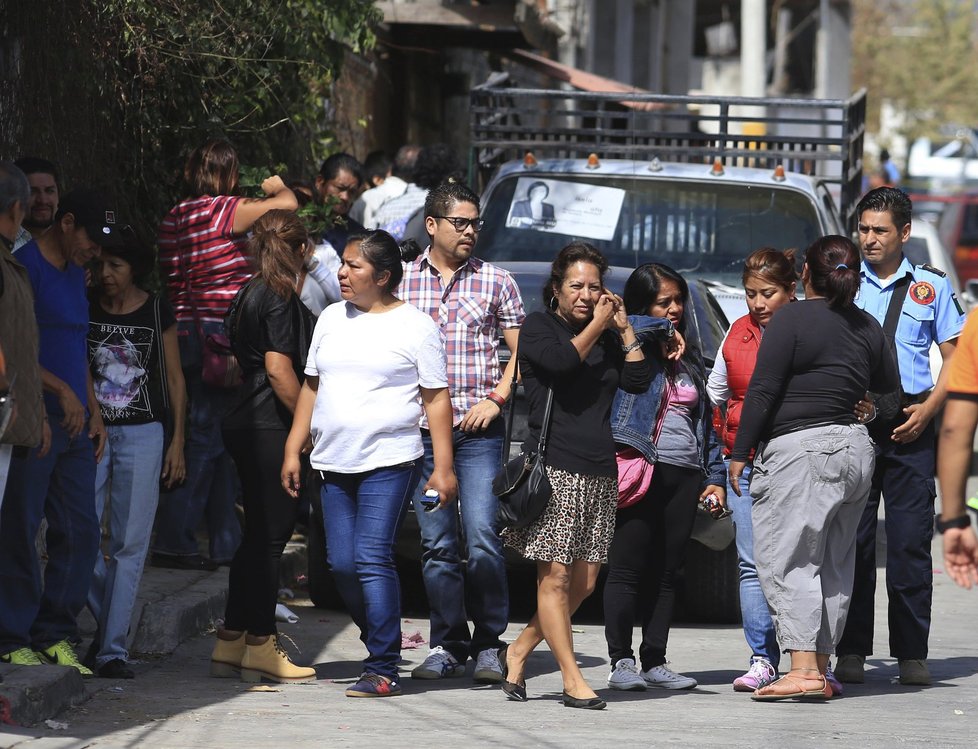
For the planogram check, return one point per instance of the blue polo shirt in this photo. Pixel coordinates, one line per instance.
(930, 314)
(61, 308)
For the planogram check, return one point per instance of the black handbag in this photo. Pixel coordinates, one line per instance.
(521, 484)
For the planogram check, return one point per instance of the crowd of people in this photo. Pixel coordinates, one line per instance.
(360, 368)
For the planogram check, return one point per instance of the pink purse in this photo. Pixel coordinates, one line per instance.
(634, 471)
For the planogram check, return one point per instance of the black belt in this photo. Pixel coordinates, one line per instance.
(908, 400)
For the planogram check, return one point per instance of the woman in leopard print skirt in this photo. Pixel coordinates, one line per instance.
(585, 349)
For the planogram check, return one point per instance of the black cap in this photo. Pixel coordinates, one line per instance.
(93, 214)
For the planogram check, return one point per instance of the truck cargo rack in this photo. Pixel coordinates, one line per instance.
(817, 137)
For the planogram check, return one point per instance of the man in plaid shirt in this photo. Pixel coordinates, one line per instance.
(471, 301)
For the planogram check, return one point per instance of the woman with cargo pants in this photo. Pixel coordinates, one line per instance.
(814, 461)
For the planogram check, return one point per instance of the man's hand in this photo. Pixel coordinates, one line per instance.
(74, 411)
(45, 440)
(961, 556)
(918, 417)
(480, 416)
(98, 435)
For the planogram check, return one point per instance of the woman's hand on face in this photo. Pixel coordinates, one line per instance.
(733, 474)
(291, 473)
(674, 348)
(605, 310)
(620, 320)
(445, 483)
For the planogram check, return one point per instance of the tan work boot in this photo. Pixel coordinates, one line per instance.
(229, 649)
(269, 661)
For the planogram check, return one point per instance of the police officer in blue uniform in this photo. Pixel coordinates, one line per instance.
(905, 464)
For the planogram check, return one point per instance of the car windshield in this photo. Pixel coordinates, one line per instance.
(701, 229)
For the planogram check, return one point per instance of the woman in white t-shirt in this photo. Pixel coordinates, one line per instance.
(374, 364)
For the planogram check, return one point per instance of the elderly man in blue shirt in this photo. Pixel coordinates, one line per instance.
(926, 311)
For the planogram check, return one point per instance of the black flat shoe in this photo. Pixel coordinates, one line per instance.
(514, 692)
(115, 669)
(183, 562)
(591, 703)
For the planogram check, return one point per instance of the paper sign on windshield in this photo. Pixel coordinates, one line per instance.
(580, 210)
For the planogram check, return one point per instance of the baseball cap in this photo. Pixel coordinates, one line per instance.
(91, 212)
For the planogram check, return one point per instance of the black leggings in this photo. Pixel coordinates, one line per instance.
(648, 547)
(270, 516)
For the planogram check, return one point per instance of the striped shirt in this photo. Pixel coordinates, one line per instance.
(479, 302)
(199, 232)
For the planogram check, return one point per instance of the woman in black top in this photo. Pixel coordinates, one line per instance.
(585, 349)
(270, 331)
(814, 462)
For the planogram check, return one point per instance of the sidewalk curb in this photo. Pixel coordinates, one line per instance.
(35, 693)
(176, 616)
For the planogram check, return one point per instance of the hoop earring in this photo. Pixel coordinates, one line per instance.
(553, 303)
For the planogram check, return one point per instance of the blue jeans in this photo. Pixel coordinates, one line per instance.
(60, 487)
(754, 611)
(479, 586)
(210, 487)
(362, 513)
(129, 477)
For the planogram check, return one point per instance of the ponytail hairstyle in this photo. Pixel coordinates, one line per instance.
(772, 266)
(833, 270)
(277, 243)
(383, 252)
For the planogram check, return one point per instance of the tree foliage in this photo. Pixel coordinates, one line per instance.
(119, 91)
(922, 56)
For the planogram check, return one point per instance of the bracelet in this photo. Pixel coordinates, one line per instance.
(497, 399)
(631, 346)
(962, 521)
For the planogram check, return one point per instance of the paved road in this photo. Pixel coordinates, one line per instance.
(174, 704)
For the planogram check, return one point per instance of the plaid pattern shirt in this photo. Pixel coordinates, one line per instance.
(478, 303)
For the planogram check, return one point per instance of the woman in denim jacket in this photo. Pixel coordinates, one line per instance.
(651, 534)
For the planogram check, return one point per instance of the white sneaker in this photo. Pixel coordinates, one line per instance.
(664, 677)
(439, 664)
(624, 676)
(487, 667)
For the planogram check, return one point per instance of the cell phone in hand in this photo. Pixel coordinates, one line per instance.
(430, 500)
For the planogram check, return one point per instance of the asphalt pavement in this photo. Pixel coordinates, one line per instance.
(173, 703)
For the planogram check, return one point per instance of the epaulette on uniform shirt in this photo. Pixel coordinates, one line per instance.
(932, 269)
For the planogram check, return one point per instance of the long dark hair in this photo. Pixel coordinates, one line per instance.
(642, 289)
(212, 169)
(833, 269)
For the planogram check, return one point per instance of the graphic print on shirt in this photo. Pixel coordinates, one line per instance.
(120, 356)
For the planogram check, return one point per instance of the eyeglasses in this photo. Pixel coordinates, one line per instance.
(461, 223)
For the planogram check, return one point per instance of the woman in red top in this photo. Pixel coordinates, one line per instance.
(769, 283)
(204, 262)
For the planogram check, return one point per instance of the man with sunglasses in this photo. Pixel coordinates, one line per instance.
(472, 302)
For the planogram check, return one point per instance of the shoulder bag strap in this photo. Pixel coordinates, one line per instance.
(161, 353)
(547, 413)
(893, 312)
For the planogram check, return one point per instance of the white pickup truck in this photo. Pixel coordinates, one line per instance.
(671, 179)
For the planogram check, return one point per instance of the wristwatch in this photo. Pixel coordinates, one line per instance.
(962, 521)
(631, 346)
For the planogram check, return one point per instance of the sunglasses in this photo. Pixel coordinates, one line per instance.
(460, 223)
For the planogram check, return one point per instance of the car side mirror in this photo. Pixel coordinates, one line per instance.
(971, 291)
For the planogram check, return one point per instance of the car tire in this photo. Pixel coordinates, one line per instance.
(710, 588)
